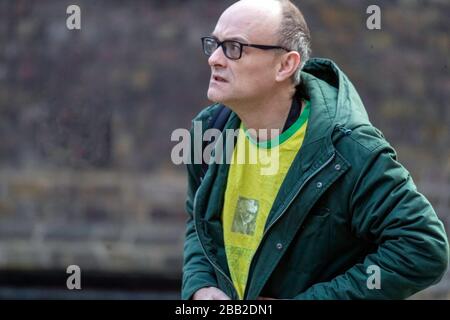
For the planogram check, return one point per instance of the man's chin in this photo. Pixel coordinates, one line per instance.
(213, 97)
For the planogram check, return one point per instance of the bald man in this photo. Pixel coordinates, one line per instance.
(337, 217)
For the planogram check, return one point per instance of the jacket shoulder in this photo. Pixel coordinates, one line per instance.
(365, 139)
(364, 144)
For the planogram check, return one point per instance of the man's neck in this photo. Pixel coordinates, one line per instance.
(267, 117)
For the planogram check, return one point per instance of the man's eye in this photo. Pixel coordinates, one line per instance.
(234, 47)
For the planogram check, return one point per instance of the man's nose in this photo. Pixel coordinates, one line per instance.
(217, 58)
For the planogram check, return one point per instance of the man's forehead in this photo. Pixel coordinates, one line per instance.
(231, 34)
(247, 25)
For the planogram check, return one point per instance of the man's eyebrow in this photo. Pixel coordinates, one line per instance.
(235, 38)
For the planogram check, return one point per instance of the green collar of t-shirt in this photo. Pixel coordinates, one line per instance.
(286, 134)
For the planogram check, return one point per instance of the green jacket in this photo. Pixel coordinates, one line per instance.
(346, 204)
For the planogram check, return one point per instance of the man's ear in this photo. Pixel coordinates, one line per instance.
(288, 65)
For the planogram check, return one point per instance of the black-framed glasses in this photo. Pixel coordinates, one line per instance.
(231, 48)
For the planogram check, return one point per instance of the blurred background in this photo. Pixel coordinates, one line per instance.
(86, 116)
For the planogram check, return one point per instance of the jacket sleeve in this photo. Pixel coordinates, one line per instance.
(197, 271)
(412, 247)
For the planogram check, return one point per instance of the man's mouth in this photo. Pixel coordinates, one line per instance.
(219, 79)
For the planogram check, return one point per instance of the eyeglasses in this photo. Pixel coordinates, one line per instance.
(231, 48)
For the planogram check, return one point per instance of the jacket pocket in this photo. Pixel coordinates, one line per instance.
(320, 212)
(311, 246)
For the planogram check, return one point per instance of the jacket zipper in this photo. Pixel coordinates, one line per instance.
(343, 130)
(298, 191)
(204, 251)
(285, 207)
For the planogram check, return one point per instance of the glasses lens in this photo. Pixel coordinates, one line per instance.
(209, 46)
(232, 49)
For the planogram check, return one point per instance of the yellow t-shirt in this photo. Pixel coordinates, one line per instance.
(255, 175)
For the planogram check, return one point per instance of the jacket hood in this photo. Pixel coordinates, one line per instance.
(334, 99)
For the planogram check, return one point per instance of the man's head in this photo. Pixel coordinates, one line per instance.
(258, 73)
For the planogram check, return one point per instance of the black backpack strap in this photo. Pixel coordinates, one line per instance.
(218, 122)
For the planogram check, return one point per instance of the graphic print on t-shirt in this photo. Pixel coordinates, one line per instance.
(244, 220)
